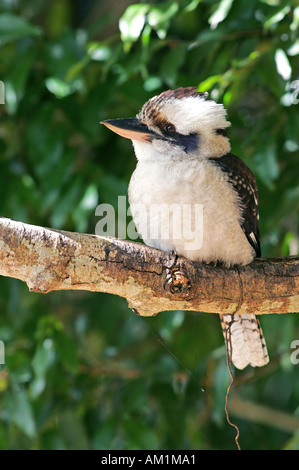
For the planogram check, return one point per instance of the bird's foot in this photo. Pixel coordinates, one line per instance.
(176, 280)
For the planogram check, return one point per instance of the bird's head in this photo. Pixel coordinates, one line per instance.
(174, 124)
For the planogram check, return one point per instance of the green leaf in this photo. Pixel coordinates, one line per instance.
(221, 13)
(271, 22)
(73, 430)
(172, 63)
(267, 166)
(293, 442)
(61, 88)
(282, 64)
(14, 27)
(207, 84)
(287, 243)
(20, 411)
(221, 380)
(66, 57)
(98, 51)
(132, 23)
(87, 205)
(159, 17)
(42, 360)
(139, 434)
(16, 80)
(152, 83)
(67, 350)
(192, 5)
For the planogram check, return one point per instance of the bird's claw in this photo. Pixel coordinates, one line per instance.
(176, 280)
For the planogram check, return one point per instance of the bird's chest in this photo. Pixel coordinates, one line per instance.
(190, 208)
(180, 183)
(168, 202)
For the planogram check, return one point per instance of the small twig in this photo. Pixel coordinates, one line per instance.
(228, 342)
(229, 363)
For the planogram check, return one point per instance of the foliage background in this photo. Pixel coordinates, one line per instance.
(81, 370)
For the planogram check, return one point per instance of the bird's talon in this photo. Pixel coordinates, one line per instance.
(176, 280)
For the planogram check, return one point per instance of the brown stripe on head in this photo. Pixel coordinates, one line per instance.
(151, 110)
(180, 93)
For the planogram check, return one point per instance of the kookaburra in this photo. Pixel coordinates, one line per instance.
(184, 161)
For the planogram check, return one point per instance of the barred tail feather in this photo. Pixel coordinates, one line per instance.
(244, 340)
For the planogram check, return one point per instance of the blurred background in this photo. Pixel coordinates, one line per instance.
(81, 370)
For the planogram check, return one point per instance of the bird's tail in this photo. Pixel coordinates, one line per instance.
(244, 339)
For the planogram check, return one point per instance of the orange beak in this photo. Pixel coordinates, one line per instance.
(131, 128)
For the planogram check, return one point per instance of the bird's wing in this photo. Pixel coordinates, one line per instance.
(243, 181)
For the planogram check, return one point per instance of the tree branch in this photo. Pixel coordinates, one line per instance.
(49, 260)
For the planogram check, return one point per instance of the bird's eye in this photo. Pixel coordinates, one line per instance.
(169, 128)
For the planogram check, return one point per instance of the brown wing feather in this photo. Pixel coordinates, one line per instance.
(243, 181)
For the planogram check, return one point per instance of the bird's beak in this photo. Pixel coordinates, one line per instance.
(130, 128)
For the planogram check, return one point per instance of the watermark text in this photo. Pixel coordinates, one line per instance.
(295, 353)
(178, 224)
(2, 92)
(2, 352)
(295, 93)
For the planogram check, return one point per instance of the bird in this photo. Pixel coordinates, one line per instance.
(184, 160)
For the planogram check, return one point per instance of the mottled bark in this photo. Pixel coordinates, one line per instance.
(49, 260)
